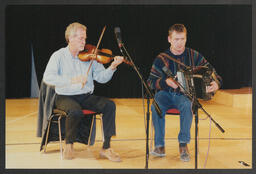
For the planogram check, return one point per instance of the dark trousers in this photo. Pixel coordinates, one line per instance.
(73, 106)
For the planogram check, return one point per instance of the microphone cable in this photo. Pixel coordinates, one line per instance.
(143, 105)
(209, 139)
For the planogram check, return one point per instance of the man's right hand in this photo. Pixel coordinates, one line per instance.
(170, 82)
(79, 79)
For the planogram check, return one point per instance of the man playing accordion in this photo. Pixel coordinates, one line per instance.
(168, 93)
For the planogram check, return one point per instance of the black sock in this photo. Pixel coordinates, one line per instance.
(183, 144)
(106, 143)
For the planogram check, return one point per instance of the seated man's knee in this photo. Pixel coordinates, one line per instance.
(110, 105)
(186, 104)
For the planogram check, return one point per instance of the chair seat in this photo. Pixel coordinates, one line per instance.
(173, 111)
(87, 112)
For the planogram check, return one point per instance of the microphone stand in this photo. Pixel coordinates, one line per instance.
(195, 111)
(195, 105)
(149, 95)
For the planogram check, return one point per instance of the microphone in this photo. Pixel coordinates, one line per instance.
(118, 36)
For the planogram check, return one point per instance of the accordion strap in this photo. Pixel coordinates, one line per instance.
(173, 59)
(191, 56)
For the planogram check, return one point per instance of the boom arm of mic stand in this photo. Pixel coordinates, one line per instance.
(217, 125)
(158, 110)
(201, 107)
(169, 74)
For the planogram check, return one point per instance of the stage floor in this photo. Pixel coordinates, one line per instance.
(226, 149)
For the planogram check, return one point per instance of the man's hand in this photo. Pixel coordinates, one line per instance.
(214, 87)
(117, 61)
(170, 82)
(79, 79)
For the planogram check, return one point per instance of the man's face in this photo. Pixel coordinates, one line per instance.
(78, 40)
(177, 41)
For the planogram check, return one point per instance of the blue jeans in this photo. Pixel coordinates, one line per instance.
(167, 100)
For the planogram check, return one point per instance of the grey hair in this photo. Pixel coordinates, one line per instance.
(72, 28)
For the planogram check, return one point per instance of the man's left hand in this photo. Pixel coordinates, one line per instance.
(214, 87)
(117, 60)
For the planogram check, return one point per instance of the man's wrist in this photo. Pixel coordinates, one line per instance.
(113, 67)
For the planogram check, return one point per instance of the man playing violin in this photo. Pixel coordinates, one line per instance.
(74, 89)
(168, 92)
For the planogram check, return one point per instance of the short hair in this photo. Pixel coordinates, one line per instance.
(72, 28)
(180, 28)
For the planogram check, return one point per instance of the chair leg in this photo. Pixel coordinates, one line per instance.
(151, 136)
(47, 134)
(60, 138)
(90, 134)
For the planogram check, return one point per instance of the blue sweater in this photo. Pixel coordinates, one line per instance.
(157, 77)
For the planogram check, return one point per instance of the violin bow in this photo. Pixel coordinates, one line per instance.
(103, 30)
(95, 51)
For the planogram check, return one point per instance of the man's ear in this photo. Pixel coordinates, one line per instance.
(169, 39)
(70, 38)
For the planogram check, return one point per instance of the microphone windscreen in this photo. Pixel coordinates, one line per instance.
(117, 30)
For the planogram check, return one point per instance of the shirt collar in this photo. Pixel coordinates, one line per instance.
(176, 56)
(69, 53)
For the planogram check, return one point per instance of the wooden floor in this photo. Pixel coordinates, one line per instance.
(22, 145)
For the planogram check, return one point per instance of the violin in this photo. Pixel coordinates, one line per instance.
(100, 55)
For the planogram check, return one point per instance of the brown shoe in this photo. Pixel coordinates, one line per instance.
(110, 154)
(158, 151)
(184, 154)
(68, 152)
